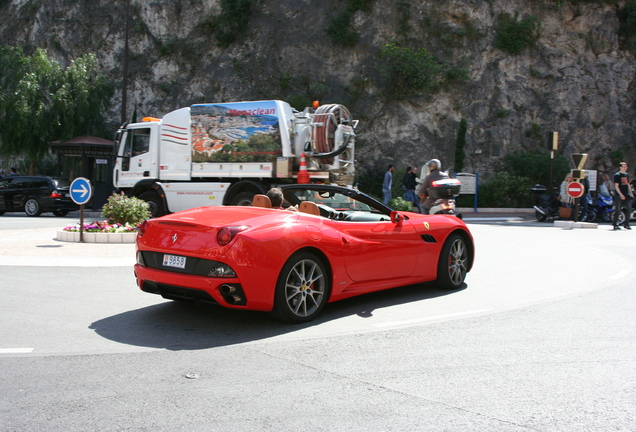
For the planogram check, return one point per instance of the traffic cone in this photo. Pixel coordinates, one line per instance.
(303, 174)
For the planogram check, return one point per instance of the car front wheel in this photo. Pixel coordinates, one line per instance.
(302, 289)
(155, 205)
(32, 207)
(453, 261)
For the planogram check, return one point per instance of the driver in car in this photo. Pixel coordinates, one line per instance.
(276, 197)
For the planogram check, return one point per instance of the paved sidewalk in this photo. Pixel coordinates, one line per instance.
(40, 247)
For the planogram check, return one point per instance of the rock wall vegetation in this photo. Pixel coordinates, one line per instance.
(513, 70)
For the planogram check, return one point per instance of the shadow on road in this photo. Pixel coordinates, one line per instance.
(187, 326)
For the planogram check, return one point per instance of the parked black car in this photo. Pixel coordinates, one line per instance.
(35, 195)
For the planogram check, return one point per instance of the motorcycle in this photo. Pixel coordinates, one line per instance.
(546, 206)
(444, 192)
(590, 215)
(444, 206)
(604, 208)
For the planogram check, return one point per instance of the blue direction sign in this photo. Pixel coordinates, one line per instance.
(81, 190)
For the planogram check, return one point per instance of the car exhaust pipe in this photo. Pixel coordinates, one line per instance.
(232, 294)
(232, 299)
(227, 289)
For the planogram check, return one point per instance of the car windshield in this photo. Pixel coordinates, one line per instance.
(335, 200)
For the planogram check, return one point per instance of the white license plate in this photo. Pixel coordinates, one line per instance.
(174, 261)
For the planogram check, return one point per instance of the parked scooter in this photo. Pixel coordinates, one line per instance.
(604, 208)
(590, 214)
(546, 206)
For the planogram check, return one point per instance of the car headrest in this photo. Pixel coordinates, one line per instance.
(309, 207)
(261, 201)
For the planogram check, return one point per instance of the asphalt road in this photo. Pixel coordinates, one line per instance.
(543, 338)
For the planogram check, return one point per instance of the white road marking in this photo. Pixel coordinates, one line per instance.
(621, 274)
(430, 318)
(16, 350)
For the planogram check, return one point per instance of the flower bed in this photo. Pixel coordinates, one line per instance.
(99, 232)
(102, 227)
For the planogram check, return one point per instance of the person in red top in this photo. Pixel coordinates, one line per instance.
(623, 197)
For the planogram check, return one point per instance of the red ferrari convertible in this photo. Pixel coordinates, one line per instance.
(340, 243)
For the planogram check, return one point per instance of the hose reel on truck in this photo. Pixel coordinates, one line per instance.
(332, 131)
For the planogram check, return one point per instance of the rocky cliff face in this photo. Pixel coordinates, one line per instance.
(578, 79)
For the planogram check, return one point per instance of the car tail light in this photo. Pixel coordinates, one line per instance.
(56, 194)
(142, 227)
(226, 234)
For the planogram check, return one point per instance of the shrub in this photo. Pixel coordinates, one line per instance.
(400, 204)
(536, 165)
(121, 209)
(234, 20)
(408, 71)
(340, 28)
(505, 190)
(514, 36)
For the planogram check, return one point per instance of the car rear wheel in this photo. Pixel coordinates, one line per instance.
(302, 289)
(452, 267)
(32, 207)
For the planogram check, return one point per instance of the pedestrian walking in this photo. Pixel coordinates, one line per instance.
(623, 197)
(387, 184)
(409, 182)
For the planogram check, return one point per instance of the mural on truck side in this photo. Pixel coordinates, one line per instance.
(235, 132)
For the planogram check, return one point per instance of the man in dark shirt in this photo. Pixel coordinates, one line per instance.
(409, 183)
(623, 197)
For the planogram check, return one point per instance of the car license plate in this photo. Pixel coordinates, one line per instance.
(174, 261)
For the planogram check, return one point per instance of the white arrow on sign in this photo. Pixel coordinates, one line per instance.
(83, 190)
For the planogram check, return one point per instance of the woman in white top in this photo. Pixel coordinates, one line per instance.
(565, 199)
(606, 187)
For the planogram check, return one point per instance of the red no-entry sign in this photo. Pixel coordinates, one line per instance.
(575, 190)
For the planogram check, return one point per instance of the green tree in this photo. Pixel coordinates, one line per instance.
(460, 144)
(40, 102)
(536, 166)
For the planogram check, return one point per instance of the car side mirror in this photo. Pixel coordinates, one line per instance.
(396, 217)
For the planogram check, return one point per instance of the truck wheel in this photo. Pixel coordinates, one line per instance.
(243, 199)
(154, 202)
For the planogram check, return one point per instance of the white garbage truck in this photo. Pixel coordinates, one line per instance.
(225, 153)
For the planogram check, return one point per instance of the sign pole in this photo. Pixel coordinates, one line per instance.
(81, 192)
(81, 240)
(578, 174)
